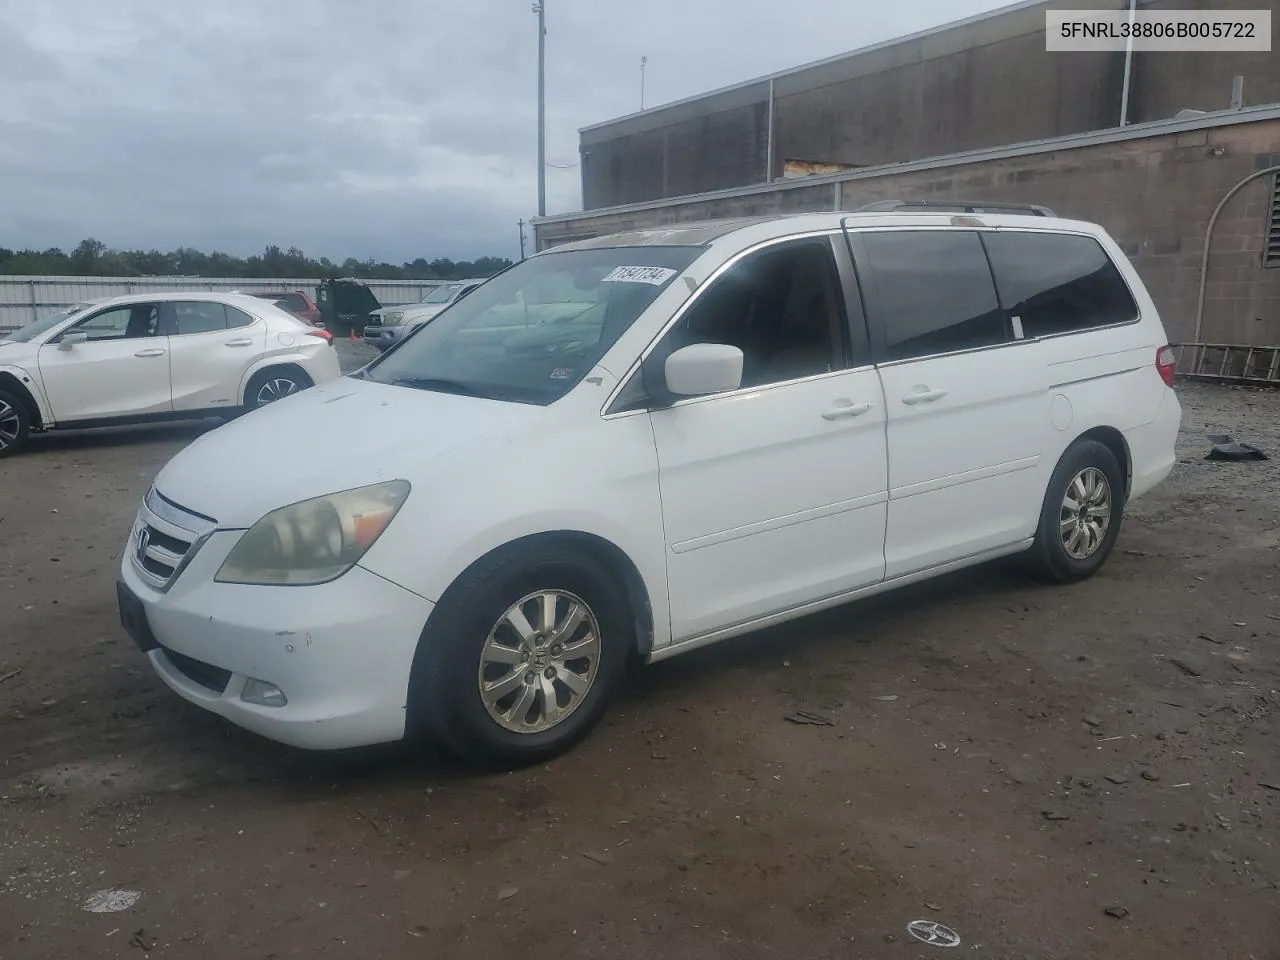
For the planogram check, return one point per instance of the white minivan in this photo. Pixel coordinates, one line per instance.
(712, 428)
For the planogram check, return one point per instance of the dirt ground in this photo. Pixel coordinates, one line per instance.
(1075, 772)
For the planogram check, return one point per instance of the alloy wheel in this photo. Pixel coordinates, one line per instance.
(10, 425)
(1086, 513)
(275, 389)
(539, 661)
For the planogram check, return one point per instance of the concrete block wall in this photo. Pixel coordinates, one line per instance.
(1153, 194)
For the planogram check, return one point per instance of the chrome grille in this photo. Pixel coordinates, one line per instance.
(165, 538)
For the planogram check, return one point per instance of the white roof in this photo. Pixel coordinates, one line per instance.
(754, 230)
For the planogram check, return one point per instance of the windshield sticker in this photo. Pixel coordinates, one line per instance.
(562, 373)
(656, 276)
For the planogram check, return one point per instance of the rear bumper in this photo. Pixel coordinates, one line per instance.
(1152, 446)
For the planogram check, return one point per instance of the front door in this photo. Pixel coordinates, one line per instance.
(773, 495)
(965, 399)
(121, 370)
(211, 346)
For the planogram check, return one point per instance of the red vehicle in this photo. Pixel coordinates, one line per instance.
(297, 303)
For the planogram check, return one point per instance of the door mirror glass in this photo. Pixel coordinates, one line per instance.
(703, 368)
(70, 340)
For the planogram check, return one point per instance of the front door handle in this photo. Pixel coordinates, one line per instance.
(923, 395)
(242, 342)
(153, 352)
(845, 409)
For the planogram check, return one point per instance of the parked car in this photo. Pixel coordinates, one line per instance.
(391, 325)
(295, 302)
(155, 357)
(751, 421)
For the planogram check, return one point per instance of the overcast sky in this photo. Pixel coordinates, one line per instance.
(406, 129)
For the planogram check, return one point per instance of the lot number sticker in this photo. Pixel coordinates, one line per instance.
(656, 276)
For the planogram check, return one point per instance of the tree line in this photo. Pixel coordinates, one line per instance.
(92, 258)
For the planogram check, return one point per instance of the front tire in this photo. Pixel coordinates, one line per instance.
(519, 659)
(15, 424)
(1081, 515)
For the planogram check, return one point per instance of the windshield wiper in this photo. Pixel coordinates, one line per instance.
(438, 384)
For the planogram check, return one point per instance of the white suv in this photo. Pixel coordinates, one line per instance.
(154, 357)
(738, 424)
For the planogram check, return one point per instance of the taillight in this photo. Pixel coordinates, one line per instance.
(1166, 364)
(324, 335)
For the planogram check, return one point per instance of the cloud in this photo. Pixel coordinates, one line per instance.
(392, 130)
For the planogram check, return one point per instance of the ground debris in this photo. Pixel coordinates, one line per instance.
(1116, 911)
(812, 719)
(1116, 778)
(1055, 815)
(507, 893)
(1185, 667)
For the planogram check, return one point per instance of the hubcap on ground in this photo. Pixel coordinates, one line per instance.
(1086, 513)
(539, 661)
(9, 425)
(275, 389)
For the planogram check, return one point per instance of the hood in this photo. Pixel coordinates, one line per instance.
(422, 314)
(11, 350)
(343, 434)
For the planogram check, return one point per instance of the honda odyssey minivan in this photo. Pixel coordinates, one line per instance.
(641, 444)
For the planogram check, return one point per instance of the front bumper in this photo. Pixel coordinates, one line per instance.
(382, 337)
(341, 652)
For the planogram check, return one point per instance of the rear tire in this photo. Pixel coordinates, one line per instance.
(1081, 515)
(272, 384)
(490, 658)
(15, 424)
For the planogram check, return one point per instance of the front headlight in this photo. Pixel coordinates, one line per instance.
(393, 319)
(314, 541)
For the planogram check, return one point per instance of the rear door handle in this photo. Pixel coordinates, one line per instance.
(242, 342)
(845, 409)
(153, 352)
(923, 395)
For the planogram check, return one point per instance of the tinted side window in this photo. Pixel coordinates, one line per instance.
(935, 291)
(780, 307)
(122, 323)
(292, 303)
(197, 316)
(1057, 284)
(238, 318)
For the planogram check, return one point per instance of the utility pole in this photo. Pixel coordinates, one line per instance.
(540, 8)
(1128, 69)
(521, 239)
(643, 61)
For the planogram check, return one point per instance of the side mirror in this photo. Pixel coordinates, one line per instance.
(70, 340)
(703, 368)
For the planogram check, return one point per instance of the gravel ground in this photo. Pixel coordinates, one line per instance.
(1054, 773)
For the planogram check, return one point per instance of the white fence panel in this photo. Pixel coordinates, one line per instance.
(23, 299)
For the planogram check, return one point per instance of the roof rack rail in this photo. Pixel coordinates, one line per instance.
(956, 206)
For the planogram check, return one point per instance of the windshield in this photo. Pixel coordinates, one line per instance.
(47, 322)
(442, 294)
(531, 333)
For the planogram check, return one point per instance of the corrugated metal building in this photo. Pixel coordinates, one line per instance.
(981, 82)
(979, 111)
(23, 299)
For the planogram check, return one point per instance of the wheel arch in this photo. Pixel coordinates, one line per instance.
(594, 548)
(10, 383)
(272, 363)
(1113, 440)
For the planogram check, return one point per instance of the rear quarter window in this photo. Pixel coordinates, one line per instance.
(1058, 283)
